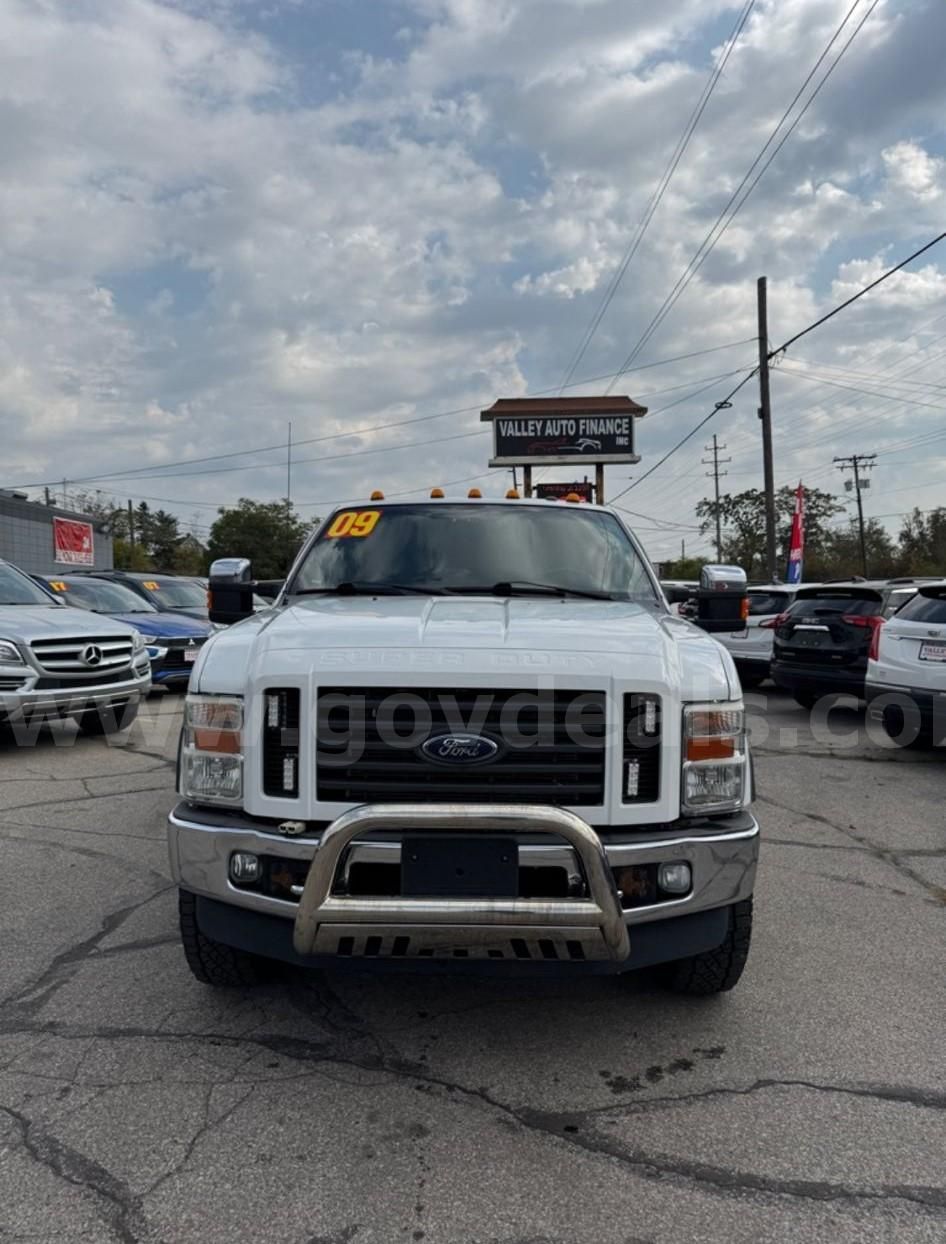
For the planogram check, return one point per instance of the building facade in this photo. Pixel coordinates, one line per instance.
(31, 538)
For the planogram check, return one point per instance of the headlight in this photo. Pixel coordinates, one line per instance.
(137, 641)
(212, 754)
(714, 758)
(10, 653)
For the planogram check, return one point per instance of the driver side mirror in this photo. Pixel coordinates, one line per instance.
(722, 600)
(230, 594)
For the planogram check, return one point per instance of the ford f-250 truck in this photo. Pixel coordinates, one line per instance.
(469, 734)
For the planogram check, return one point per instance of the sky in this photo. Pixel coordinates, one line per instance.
(371, 218)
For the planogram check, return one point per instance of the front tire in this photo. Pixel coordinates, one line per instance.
(110, 719)
(212, 962)
(718, 970)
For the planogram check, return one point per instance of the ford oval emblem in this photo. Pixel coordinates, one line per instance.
(459, 749)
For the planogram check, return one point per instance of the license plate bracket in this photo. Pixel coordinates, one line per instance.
(933, 652)
(190, 656)
(459, 866)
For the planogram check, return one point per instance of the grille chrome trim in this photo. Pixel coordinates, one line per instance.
(63, 656)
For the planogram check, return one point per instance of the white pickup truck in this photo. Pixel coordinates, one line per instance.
(469, 735)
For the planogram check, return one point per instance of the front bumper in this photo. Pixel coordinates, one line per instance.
(591, 928)
(30, 700)
(919, 708)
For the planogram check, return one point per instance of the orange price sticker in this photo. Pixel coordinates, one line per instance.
(353, 523)
(152, 586)
(58, 586)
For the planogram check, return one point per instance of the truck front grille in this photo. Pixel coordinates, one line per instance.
(84, 655)
(551, 745)
(281, 742)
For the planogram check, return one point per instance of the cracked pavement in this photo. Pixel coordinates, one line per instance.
(138, 1105)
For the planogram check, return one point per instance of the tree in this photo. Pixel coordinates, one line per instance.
(269, 533)
(685, 568)
(923, 543)
(839, 556)
(127, 556)
(743, 520)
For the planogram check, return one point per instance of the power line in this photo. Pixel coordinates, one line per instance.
(727, 400)
(667, 176)
(136, 472)
(709, 242)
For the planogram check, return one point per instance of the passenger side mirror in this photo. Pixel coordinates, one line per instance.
(230, 594)
(722, 599)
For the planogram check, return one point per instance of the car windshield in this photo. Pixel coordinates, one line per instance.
(767, 602)
(925, 608)
(100, 596)
(478, 547)
(17, 589)
(176, 593)
(836, 602)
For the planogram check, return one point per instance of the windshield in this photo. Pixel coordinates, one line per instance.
(928, 605)
(477, 547)
(100, 596)
(176, 593)
(17, 589)
(836, 602)
(767, 602)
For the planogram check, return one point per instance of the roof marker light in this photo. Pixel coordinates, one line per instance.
(436, 493)
(377, 495)
(474, 492)
(572, 496)
(512, 494)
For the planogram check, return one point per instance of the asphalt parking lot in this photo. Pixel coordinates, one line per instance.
(136, 1104)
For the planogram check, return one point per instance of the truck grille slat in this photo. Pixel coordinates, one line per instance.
(564, 763)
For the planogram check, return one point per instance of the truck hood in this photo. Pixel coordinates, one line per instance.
(359, 636)
(28, 622)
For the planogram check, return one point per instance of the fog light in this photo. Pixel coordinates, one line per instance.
(245, 867)
(674, 878)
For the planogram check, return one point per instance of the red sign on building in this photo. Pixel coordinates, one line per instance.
(73, 542)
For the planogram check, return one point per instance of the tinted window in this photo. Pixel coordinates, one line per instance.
(836, 602)
(767, 602)
(896, 600)
(101, 596)
(472, 547)
(924, 609)
(17, 589)
(175, 593)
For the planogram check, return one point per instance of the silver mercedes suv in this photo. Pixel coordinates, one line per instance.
(60, 662)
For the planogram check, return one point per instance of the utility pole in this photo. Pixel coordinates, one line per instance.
(289, 548)
(716, 473)
(765, 414)
(48, 498)
(131, 524)
(858, 463)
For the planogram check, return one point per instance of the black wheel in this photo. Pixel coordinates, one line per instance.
(716, 970)
(212, 962)
(807, 699)
(750, 678)
(107, 720)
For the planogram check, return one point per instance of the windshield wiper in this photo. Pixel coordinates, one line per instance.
(525, 587)
(359, 587)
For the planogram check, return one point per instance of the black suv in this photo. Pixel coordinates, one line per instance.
(823, 640)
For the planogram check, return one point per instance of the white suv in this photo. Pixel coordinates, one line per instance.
(751, 647)
(906, 673)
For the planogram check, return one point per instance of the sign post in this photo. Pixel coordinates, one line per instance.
(563, 431)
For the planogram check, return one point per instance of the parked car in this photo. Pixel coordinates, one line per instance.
(172, 642)
(751, 647)
(166, 592)
(823, 640)
(906, 675)
(56, 662)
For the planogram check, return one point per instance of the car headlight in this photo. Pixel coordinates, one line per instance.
(137, 642)
(212, 752)
(10, 653)
(714, 758)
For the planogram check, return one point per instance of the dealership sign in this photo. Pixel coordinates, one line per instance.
(73, 543)
(558, 492)
(549, 431)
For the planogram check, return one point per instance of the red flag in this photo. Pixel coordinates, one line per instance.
(796, 549)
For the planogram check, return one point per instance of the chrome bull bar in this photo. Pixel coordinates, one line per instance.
(588, 928)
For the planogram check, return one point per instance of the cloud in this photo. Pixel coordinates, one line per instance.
(217, 218)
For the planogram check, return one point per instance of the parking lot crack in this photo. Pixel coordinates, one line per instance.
(116, 1205)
